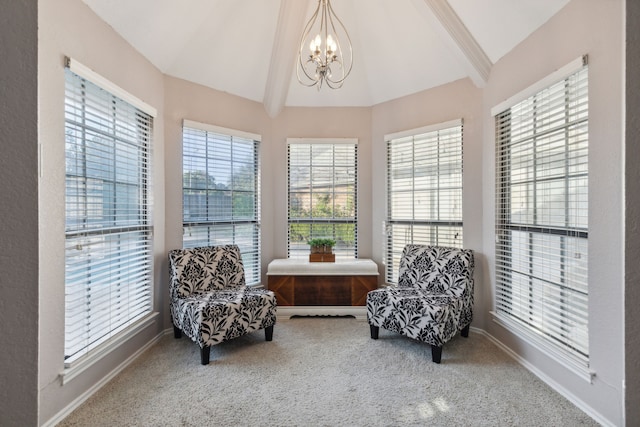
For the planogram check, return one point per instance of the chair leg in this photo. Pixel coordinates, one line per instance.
(436, 353)
(204, 355)
(268, 333)
(465, 331)
(374, 331)
(177, 333)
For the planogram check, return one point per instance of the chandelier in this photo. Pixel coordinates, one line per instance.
(322, 56)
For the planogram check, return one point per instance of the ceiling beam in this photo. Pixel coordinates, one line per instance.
(283, 55)
(477, 62)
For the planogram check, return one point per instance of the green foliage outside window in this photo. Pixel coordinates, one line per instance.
(324, 220)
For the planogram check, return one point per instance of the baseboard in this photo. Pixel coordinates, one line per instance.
(547, 379)
(285, 312)
(62, 414)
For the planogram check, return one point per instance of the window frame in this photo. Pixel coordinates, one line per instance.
(414, 227)
(209, 227)
(89, 96)
(341, 250)
(572, 351)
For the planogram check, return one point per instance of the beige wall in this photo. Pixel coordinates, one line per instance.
(19, 214)
(632, 228)
(70, 28)
(596, 29)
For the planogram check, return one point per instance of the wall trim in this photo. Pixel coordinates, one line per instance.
(97, 79)
(103, 350)
(67, 410)
(547, 379)
(423, 129)
(559, 74)
(570, 361)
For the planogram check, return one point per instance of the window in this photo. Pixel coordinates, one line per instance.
(108, 249)
(323, 195)
(220, 191)
(542, 215)
(424, 190)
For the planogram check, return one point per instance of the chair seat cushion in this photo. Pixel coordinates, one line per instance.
(415, 313)
(210, 318)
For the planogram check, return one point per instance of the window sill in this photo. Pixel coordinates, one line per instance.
(572, 363)
(80, 365)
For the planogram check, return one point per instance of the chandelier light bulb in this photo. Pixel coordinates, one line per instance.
(331, 45)
(315, 44)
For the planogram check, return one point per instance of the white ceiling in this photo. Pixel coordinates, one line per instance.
(248, 47)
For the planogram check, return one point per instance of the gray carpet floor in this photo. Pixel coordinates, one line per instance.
(326, 372)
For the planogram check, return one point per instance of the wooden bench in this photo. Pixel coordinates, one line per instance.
(322, 288)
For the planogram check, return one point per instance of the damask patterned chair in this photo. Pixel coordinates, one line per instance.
(433, 299)
(209, 301)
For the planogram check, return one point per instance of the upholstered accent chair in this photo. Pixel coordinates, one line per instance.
(209, 301)
(433, 299)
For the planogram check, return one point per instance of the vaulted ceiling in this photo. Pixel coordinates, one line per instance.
(248, 47)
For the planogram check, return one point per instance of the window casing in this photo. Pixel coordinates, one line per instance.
(221, 191)
(108, 229)
(424, 191)
(322, 195)
(542, 215)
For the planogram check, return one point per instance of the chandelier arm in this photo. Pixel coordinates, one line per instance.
(340, 50)
(311, 81)
(334, 84)
(305, 34)
(308, 27)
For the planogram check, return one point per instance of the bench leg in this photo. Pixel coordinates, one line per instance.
(436, 353)
(375, 330)
(177, 333)
(204, 355)
(268, 333)
(465, 331)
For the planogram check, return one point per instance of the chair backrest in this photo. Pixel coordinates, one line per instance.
(204, 269)
(437, 269)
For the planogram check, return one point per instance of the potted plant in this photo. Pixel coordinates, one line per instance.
(319, 246)
(328, 245)
(321, 250)
(316, 246)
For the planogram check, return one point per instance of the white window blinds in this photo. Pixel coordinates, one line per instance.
(424, 191)
(323, 195)
(220, 191)
(108, 250)
(542, 214)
